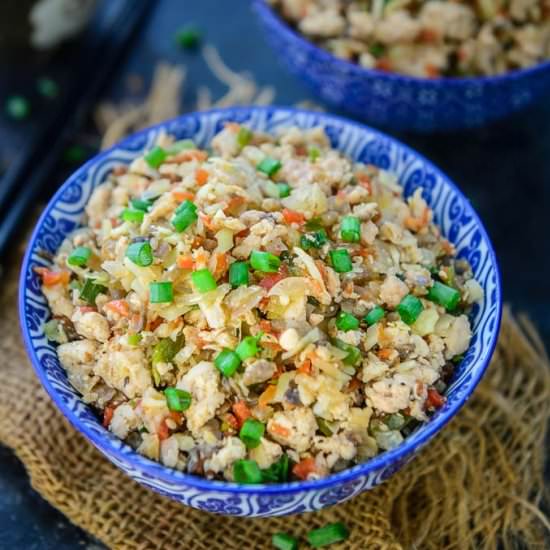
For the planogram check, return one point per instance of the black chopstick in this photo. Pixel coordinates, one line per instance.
(98, 63)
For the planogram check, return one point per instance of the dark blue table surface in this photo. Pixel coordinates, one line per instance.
(504, 170)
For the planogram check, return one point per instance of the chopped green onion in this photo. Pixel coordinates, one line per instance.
(177, 400)
(161, 293)
(374, 315)
(248, 347)
(203, 280)
(227, 362)
(323, 426)
(244, 136)
(314, 224)
(457, 359)
(395, 421)
(350, 229)
(264, 261)
(47, 87)
(155, 157)
(181, 145)
(329, 534)
(314, 240)
(90, 290)
(269, 166)
(284, 541)
(341, 260)
(313, 154)
(377, 50)
(444, 295)
(346, 321)
(188, 37)
(140, 204)
(140, 253)
(17, 107)
(134, 339)
(165, 350)
(284, 190)
(251, 433)
(185, 215)
(409, 309)
(79, 256)
(132, 216)
(353, 354)
(238, 274)
(75, 285)
(278, 471)
(247, 471)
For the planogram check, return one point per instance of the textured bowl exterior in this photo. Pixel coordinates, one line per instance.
(452, 211)
(399, 102)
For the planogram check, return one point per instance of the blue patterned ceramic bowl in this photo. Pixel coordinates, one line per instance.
(401, 102)
(453, 213)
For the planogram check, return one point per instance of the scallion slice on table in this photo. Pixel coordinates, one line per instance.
(346, 321)
(177, 400)
(251, 433)
(161, 292)
(79, 256)
(329, 534)
(284, 190)
(264, 261)
(227, 362)
(409, 309)
(140, 253)
(90, 291)
(341, 260)
(238, 274)
(284, 541)
(155, 157)
(374, 315)
(247, 472)
(203, 280)
(350, 229)
(314, 240)
(244, 136)
(444, 295)
(47, 87)
(185, 216)
(269, 166)
(17, 107)
(132, 215)
(248, 347)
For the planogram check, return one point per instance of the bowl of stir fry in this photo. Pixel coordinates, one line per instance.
(259, 311)
(422, 66)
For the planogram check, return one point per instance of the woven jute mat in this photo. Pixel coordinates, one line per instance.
(478, 485)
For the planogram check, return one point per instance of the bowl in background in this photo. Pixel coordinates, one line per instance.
(452, 212)
(396, 101)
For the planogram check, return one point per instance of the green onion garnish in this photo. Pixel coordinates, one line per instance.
(244, 136)
(248, 347)
(185, 215)
(47, 87)
(346, 321)
(203, 280)
(140, 253)
(329, 534)
(314, 240)
(409, 309)
(247, 471)
(90, 290)
(269, 166)
(161, 293)
(140, 204)
(17, 107)
(444, 295)
(278, 471)
(341, 260)
(350, 229)
(238, 274)
(377, 50)
(323, 426)
(188, 37)
(227, 362)
(165, 350)
(313, 154)
(181, 145)
(374, 315)
(314, 224)
(155, 157)
(134, 339)
(251, 433)
(284, 541)
(177, 400)
(79, 256)
(264, 261)
(284, 190)
(353, 354)
(133, 216)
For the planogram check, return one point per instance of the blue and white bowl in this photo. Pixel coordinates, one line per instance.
(396, 101)
(453, 213)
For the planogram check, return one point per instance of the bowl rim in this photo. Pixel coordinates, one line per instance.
(111, 446)
(273, 18)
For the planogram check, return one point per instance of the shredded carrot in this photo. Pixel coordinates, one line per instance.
(222, 264)
(232, 421)
(267, 396)
(384, 64)
(304, 468)
(428, 35)
(153, 324)
(416, 224)
(52, 278)
(206, 220)
(291, 216)
(270, 281)
(277, 429)
(305, 367)
(241, 412)
(176, 416)
(385, 354)
(108, 415)
(163, 431)
(181, 196)
(232, 126)
(273, 346)
(432, 71)
(354, 384)
(185, 262)
(435, 399)
(119, 306)
(364, 181)
(242, 234)
(86, 309)
(234, 203)
(186, 156)
(201, 259)
(266, 326)
(201, 176)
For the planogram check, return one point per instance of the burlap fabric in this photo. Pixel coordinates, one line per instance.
(478, 485)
